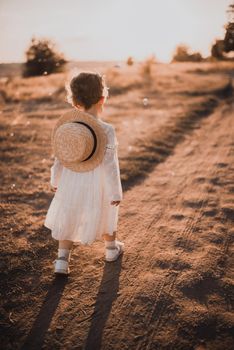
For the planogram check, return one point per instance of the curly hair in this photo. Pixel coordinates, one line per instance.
(86, 89)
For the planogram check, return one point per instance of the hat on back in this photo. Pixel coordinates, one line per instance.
(79, 141)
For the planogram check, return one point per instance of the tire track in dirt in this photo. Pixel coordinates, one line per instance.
(157, 219)
(161, 143)
(169, 282)
(167, 285)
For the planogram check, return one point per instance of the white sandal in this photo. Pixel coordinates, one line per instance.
(113, 254)
(61, 266)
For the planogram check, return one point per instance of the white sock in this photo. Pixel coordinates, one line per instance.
(110, 244)
(64, 253)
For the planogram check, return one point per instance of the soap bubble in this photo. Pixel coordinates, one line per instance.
(145, 101)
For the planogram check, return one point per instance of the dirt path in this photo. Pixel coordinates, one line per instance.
(173, 288)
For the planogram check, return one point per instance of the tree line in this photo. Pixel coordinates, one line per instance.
(43, 58)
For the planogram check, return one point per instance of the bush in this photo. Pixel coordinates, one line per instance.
(217, 50)
(182, 55)
(221, 48)
(229, 37)
(130, 61)
(42, 58)
(147, 67)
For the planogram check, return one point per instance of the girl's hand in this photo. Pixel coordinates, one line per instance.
(116, 203)
(53, 188)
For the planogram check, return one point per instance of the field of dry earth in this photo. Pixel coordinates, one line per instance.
(173, 288)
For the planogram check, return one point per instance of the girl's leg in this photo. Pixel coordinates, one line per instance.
(64, 253)
(65, 244)
(109, 238)
(64, 249)
(113, 247)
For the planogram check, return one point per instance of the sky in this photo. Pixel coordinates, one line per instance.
(111, 29)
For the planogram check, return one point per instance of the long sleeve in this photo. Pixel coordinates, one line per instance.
(55, 172)
(111, 166)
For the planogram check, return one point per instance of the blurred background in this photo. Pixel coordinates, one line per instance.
(112, 30)
(47, 35)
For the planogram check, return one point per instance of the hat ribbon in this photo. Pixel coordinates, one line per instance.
(94, 138)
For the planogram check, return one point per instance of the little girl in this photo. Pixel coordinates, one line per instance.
(85, 205)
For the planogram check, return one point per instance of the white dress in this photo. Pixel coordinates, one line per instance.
(81, 209)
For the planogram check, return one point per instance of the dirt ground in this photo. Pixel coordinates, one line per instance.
(173, 288)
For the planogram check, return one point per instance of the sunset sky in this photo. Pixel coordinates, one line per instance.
(111, 29)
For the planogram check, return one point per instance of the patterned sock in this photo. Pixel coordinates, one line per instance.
(65, 253)
(110, 244)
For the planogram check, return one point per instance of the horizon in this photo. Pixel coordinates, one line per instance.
(114, 33)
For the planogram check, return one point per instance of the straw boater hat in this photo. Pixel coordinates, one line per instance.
(79, 141)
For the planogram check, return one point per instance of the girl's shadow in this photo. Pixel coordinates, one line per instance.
(107, 294)
(35, 338)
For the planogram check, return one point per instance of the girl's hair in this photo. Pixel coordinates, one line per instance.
(86, 89)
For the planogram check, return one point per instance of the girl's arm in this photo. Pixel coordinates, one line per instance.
(112, 172)
(55, 173)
